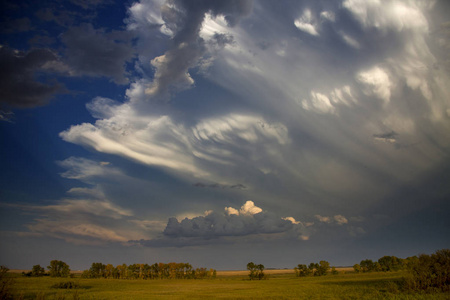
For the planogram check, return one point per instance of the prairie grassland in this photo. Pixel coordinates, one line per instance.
(227, 285)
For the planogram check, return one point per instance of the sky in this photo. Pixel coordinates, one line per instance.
(223, 132)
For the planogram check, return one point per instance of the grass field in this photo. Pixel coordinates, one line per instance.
(281, 284)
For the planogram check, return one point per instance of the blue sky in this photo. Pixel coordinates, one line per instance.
(223, 132)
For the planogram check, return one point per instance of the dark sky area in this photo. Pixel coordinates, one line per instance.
(223, 132)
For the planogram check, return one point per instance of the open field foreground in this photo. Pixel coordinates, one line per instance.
(227, 285)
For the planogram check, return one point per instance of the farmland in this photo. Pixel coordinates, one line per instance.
(280, 284)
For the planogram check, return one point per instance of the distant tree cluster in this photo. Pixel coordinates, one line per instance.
(313, 269)
(145, 271)
(384, 264)
(255, 271)
(57, 268)
(36, 271)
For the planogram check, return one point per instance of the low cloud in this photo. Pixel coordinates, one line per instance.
(306, 23)
(249, 219)
(232, 224)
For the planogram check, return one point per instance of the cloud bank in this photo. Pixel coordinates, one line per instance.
(324, 114)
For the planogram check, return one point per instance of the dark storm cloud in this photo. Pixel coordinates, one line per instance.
(217, 228)
(184, 19)
(94, 52)
(215, 224)
(19, 84)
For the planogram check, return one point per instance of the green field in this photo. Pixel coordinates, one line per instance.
(377, 285)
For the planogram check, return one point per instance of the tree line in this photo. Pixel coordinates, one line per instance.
(145, 271)
(425, 272)
(384, 264)
(171, 270)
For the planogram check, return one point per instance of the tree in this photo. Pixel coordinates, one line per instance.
(58, 268)
(302, 270)
(323, 268)
(367, 265)
(251, 267)
(109, 271)
(390, 263)
(37, 271)
(260, 271)
(97, 270)
(200, 273)
(313, 268)
(357, 268)
(255, 271)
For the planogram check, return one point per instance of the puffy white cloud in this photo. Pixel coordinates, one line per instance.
(249, 208)
(376, 82)
(319, 102)
(395, 15)
(306, 23)
(328, 15)
(231, 211)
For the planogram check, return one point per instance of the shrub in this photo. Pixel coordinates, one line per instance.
(66, 285)
(429, 272)
(334, 271)
(37, 271)
(5, 284)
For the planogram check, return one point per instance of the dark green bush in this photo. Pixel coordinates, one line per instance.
(66, 285)
(429, 272)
